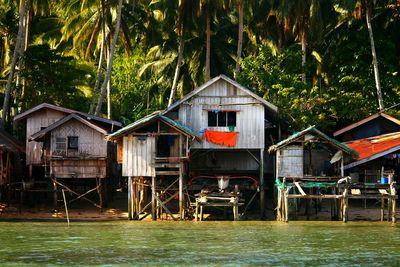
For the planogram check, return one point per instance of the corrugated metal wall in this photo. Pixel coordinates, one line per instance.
(138, 156)
(224, 96)
(290, 161)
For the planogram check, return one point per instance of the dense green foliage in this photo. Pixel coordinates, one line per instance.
(332, 86)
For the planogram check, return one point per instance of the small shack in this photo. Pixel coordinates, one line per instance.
(70, 148)
(377, 124)
(309, 165)
(11, 165)
(154, 152)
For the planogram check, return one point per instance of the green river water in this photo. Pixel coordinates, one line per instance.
(203, 243)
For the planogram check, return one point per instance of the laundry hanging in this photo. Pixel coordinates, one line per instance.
(221, 138)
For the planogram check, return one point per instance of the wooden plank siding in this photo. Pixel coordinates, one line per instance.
(249, 118)
(79, 168)
(138, 156)
(91, 143)
(35, 123)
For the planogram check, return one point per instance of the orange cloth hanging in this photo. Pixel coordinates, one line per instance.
(221, 138)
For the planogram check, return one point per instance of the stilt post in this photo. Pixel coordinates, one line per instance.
(181, 196)
(262, 192)
(153, 199)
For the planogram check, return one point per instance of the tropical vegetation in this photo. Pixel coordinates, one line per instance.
(323, 62)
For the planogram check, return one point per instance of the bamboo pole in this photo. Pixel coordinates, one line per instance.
(65, 205)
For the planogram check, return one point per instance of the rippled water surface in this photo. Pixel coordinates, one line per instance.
(202, 243)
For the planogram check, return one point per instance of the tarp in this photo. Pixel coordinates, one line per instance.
(221, 138)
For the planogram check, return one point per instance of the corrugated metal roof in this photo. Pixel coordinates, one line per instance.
(26, 113)
(313, 131)
(148, 119)
(369, 147)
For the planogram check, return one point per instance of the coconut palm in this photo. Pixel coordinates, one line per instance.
(16, 56)
(110, 60)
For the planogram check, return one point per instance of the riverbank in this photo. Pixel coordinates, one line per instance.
(117, 210)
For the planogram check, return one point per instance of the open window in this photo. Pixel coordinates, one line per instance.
(73, 142)
(219, 118)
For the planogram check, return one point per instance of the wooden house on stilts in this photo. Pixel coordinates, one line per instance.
(153, 152)
(70, 149)
(235, 125)
(310, 166)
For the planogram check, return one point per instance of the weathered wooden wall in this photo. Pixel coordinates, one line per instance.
(79, 168)
(222, 95)
(91, 142)
(138, 156)
(36, 122)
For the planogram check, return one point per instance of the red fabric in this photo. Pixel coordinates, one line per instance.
(374, 145)
(221, 138)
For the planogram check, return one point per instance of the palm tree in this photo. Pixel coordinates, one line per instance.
(110, 60)
(368, 11)
(16, 55)
(181, 37)
(240, 8)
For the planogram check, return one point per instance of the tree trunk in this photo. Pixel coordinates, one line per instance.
(208, 44)
(374, 60)
(304, 32)
(20, 82)
(110, 61)
(16, 56)
(240, 37)
(177, 69)
(103, 41)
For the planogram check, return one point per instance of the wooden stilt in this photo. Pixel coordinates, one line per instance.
(279, 205)
(286, 206)
(236, 212)
(201, 213)
(153, 198)
(262, 192)
(55, 200)
(181, 196)
(382, 208)
(393, 196)
(100, 191)
(197, 211)
(345, 205)
(130, 217)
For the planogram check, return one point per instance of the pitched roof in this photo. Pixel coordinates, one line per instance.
(10, 143)
(39, 135)
(367, 119)
(314, 132)
(151, 118)
(269, 105)
(374, 147)
(26, 113)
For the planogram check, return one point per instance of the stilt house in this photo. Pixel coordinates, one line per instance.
(154, 152)
(235, 125)
(69, 147)
(309, 165)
